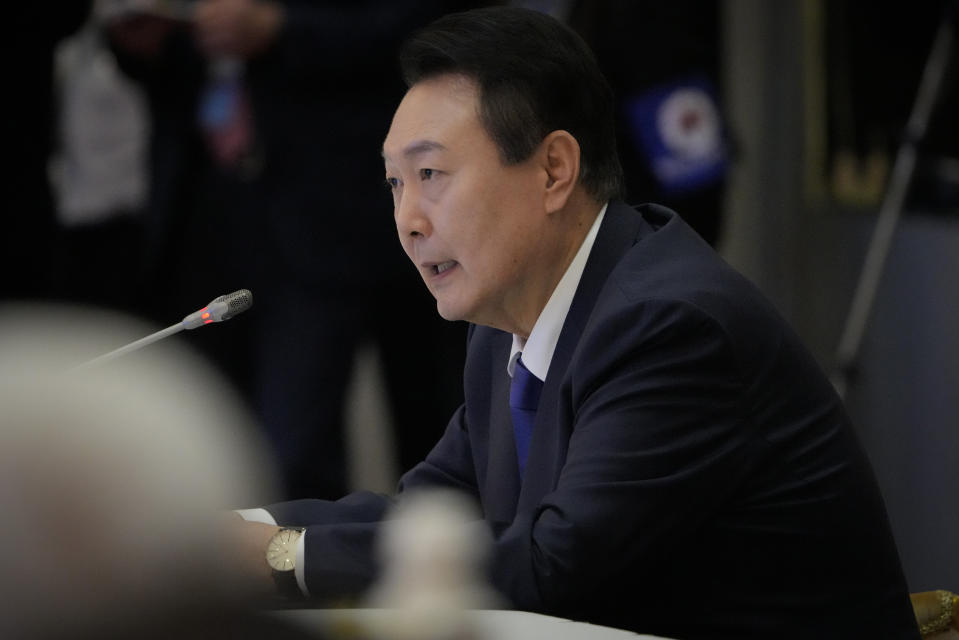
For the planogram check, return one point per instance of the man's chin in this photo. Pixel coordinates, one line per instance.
(449, 312)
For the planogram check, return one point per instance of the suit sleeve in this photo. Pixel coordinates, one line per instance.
(657, 439)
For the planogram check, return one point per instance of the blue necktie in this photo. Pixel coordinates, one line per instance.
(524, 393)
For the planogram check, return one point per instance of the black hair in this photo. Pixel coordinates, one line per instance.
(534, 75)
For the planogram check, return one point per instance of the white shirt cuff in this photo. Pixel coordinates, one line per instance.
(256, 515)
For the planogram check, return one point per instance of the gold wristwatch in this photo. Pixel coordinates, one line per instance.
(281, 556)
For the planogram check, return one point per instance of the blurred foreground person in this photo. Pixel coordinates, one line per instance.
(112, 484)
(651, 446)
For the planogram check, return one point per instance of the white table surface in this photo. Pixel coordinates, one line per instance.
(485, 624)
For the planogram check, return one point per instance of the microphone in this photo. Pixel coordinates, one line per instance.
(218, 310)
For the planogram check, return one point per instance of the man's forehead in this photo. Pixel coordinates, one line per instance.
(431, 110)
(417, 148)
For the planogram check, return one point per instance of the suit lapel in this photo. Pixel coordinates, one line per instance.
(620, 230)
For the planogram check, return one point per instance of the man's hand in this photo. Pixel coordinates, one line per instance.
(237, 28)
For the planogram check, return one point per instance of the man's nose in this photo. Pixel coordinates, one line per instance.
(411, 218)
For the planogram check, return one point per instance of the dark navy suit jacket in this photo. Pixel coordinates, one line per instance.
(692, 473)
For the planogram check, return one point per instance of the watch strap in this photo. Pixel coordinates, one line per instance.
(286, 585)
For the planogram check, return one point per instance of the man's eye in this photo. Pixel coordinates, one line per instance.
(426, 174)
(391, 183)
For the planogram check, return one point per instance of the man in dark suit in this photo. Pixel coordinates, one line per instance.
(689, 471)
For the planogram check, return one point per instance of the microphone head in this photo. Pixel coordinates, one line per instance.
(220, 309)
(236, 302)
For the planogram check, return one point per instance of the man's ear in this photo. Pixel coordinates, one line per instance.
(561, 162)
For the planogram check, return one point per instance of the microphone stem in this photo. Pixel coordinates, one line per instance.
(133, 346)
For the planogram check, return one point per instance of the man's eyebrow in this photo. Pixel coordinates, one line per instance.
(418, 147)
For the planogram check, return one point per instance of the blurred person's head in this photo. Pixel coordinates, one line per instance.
(499, 157)
(112, 478)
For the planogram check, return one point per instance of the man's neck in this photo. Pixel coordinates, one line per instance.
(573, 223)
(539, 344)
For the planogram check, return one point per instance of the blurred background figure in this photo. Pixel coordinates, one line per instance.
(99, 173)
(267, 119)
(111, 481)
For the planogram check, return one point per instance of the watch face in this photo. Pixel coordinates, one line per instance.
(281, 550)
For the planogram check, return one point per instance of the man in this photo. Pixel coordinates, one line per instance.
(689, 471)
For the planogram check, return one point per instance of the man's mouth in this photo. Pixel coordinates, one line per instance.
(443, 266)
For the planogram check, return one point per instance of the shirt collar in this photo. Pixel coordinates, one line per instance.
(539, 347)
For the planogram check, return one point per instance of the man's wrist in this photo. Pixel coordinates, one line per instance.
(281, 553)
(260, 515)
